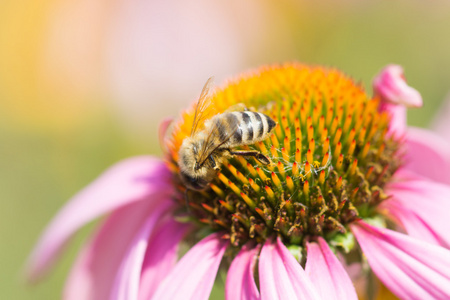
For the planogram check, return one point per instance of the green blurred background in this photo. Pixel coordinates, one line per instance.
(84, 84)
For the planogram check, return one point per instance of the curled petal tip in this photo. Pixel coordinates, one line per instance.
(390, 85)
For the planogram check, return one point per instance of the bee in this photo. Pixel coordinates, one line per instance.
(202, 153)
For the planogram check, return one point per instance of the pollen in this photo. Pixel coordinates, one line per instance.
(329, 157)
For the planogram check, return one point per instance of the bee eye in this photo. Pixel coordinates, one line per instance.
(193, 183)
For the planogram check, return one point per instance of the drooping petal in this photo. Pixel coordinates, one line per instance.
(423, 207)
(94, 272)
(441, 122)
(327, 273)
(413, 224)
(240, 278)
(160, 257)
(428, 155)
(410, 268)
(193, 276)
(126, 286)
(281, 276)
(397, 125)
(390, 85)
(395, 94)
(139, 178)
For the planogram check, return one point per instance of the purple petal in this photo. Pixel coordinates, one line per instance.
(327, 273)
(94, 272)
(422, 206)
(126, 285)
(390, 85)
(161, 257)
(410, 268)
(428, 155)
(140, 178)
(193, 276)
(240, 278)
(281, 276)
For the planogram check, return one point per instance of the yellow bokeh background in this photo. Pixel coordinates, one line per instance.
(84, 84)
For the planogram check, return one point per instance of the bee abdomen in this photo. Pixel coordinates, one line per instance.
(251, 126)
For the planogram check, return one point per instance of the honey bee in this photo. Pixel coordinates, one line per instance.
(202, 153)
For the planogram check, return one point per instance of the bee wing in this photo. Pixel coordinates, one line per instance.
(218, 134)
(204, 109)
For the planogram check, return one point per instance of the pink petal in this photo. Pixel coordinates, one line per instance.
(139, 178)
(126, 285)
(193, 276)
(94, 272)
(423, 207)
(162, 132)
(390, 85)
(161, 257)
(410, 268)
(327, 273)
(281, 276)
(413, 224)
(441, 123)
(428, 155)
(397, 125)
(240, 278)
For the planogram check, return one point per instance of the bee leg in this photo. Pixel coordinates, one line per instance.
(252, 153)
(213, 163)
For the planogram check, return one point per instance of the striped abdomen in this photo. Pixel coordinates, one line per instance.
(245, 127)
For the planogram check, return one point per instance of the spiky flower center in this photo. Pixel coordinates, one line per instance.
(330, 158)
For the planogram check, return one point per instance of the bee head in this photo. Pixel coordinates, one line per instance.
(197, 165)
(193, 182)
(192, 172)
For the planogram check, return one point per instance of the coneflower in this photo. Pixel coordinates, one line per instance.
(342, 179)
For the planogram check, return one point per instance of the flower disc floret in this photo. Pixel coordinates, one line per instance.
(330, 159)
